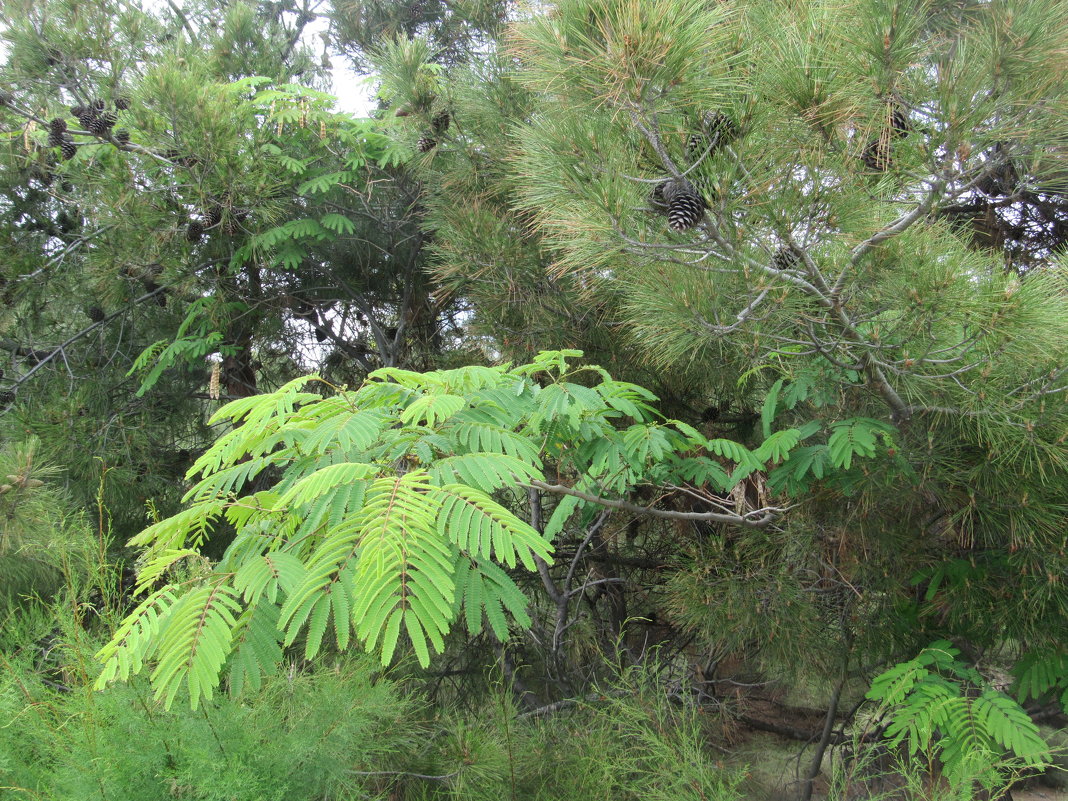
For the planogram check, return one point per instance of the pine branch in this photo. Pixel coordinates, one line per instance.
(897, 227)
(60, 349)
(184, 21)
(439, 778)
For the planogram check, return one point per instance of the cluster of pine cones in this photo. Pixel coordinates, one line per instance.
(94, 119)
(678, 197)
(439, 124)
(213, 217)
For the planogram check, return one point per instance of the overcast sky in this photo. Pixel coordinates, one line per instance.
(353, 91)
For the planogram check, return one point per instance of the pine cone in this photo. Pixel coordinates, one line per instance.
(77, 111)
(685, 211)
(685, 207)
(785, 258)
(68, 149)
(122, 103)
(899, 123)
(229, 225)
(95, 313)
(440, 122)
(98, 104)
(426, 143)
(86, 119)
(876, 155)
(109, 118)
(720, 127)
(55, 138)
(122, 136)
(212, 216)
(59, 125)
(194, 231)
(695, 146)
(6, 98)
(719, 130)
(97, 126)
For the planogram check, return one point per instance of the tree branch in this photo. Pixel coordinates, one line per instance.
(758, 518)
(59, 349)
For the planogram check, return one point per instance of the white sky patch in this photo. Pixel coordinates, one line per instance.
(353, 91)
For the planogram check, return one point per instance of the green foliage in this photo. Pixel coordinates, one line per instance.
(629, 742)
(1042, 674)
(938, 705)
(624, 742)
(44, 544)
(337, 728)
(295, 737)
(856, 437)
(837, 272)
(282, 119)
(382, 522)
(225, 213)
(869, 319)
(615, 54)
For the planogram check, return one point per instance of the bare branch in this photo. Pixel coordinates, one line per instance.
(758, 518)
(740, 318)
(900, 225)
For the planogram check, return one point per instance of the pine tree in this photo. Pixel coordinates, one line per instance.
(882, 245)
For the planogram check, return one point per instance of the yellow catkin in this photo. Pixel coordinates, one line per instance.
(213, 384)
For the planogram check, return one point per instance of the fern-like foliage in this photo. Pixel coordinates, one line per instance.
(937, 704)
(391, 519)
(1043, 674)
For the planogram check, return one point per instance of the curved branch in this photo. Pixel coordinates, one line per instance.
(900, 225)
(758, 518)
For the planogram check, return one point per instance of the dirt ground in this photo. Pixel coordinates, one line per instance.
(1039, 795)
